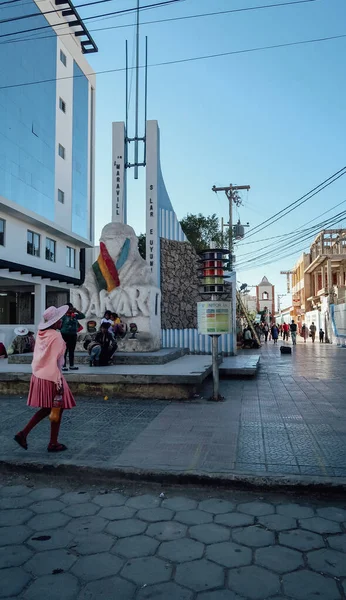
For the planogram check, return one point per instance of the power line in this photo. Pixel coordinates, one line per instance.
(295, 239)
(296, 203)
(114, 13)
(223, 12)
(179, 61)
(293, 242)
(295, 235)
(302, 249)
(284, 235)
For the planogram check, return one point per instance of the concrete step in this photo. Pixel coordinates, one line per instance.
(161, 357)
(175, 380)
(240, 366)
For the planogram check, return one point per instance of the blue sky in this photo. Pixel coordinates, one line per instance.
(273, 119)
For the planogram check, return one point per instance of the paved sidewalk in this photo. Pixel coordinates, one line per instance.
(72, 542)
(290, 421)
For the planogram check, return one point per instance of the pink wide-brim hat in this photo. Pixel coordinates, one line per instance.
(51, 315)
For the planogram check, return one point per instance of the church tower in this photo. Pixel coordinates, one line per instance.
(265, 293)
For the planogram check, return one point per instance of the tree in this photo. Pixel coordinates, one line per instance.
(201, 231)
(142, 245)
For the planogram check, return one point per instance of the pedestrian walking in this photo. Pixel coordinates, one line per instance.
(266, 332)
(49, 391)
(275, 333)
(286, 329)
(304, 332)
(69, 330)
(321, 336)
(313, 332)
(293, 330)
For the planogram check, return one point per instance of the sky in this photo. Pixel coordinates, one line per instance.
(273, 119)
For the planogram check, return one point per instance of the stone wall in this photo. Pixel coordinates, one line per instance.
(179, 285)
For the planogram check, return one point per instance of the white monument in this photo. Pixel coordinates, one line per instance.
(121, 281)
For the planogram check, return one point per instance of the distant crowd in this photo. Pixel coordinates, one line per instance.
(265, 332)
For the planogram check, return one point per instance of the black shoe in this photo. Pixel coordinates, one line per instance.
(91, 363)
(65, 369)
(74, 368)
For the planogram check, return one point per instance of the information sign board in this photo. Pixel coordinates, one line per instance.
(214, 317)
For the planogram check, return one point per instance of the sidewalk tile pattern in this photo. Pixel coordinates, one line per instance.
(94, 557)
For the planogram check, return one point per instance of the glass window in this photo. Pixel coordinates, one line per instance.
(50, 249)
(62, 105)
(63, 58)
(33, 243)
(80, 154)
(61, 151)
(2, 232)
(61, 196)
(70, 257)
(28, 118)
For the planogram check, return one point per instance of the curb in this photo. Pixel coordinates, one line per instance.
(239, 481)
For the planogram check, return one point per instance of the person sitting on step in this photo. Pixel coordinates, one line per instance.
(102, 347)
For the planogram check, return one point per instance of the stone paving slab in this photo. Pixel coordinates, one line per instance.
(289, 427)
(131, 559)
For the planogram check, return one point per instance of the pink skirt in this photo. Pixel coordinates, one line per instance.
(42, 393)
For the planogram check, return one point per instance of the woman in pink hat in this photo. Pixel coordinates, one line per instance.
(48, 389)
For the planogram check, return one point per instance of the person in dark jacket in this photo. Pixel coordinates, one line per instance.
(69, 330)
(102, 347)
(293, 330)
(275, 333)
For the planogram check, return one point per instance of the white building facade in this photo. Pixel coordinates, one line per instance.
(47, 108)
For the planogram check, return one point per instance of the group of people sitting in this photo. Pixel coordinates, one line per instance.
(101, 347)
(22, 343)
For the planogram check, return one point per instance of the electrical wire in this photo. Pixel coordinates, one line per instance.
(101, 17)
(290, 244)
(288, 209)
(236, 10)
(64, 23)
(87, 4)
(296, 237)
(178, 61)
(285, 235)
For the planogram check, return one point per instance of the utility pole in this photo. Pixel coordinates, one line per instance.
(288, 276)
(279, 303)
(231, 192)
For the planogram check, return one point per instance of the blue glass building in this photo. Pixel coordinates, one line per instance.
(46, 155)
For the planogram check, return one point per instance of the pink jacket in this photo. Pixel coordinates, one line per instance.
(48, 355)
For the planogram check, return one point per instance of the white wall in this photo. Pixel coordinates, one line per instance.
(262, 303)
(15, 249)
(313, 316)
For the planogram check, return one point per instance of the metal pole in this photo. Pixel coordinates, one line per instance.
(126, 89)
(145, 99)
(215, 351)
(137, 92)
(230, 228)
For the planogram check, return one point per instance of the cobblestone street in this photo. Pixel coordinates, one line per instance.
(128, 543)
